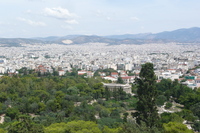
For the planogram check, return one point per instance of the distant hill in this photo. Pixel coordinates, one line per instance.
(191, 35)
(180, 35)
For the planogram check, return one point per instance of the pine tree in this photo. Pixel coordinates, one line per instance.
(107, 93)
(147, 93)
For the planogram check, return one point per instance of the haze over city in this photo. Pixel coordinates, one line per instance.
(42, 18)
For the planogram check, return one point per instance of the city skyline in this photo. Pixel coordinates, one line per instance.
(42, 18)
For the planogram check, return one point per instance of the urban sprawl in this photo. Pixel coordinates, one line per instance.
(171, 60)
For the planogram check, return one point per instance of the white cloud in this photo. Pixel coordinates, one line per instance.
(59, 12)
(135, 18)
(72, 21)
(33, 23)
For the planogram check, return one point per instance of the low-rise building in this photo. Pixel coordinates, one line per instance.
(128, 79)
(61, 72)
(113, 86)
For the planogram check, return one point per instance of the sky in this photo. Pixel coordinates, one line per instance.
(43, 18)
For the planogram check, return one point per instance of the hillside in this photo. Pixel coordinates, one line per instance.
(191, 35)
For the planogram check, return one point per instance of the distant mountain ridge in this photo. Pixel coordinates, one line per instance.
(180, 35)
(191, 35)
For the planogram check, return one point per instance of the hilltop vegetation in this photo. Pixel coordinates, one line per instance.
(72, 103)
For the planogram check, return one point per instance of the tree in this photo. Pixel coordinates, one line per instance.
(161, 99)
(25, 125)
(111, 130)
(104, 113)
(12, 112)
(115, 114)
(73, 127)
(109, 122)
(168, 105)
(174, 127)
(189, 100)
(85, 112)
(196, 126)
(125, 117)
(147, 94)
(196, 109)
(107, 93)
(2, 130)
(120, 80)
(132, 127)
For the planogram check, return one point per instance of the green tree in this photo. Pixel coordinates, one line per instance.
(111, 130)
(2, 130)
(104, 113)
(196, 126)
(125, 117)
(132, 127)
(174, 127)
(168, 105)
(3, 97)
(176, 118)
(187, 115)
(161, 99)
(85, 111)
(147, 94)
(107, 93)
(73, 127)
(189, 99)
(115, 114)
(25, 125)
(72, 90)
(120, 80)
(12, 112)
(196, 109)
(68, 107)
(98, 90)
(110, 122)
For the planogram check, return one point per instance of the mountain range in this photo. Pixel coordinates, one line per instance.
(191, 35)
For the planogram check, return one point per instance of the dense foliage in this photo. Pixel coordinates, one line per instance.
(147, 95)
(72, 103)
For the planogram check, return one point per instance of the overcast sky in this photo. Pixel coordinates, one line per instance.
(42, 18)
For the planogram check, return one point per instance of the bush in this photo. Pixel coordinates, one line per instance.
(196, 126)
(104, 113)
(161, 99)
(7, 119)
(12, 112)
(168, 105)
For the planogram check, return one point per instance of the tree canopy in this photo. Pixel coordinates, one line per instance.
(147, 94)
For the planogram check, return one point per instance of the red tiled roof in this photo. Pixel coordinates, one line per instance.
(114, 73)
(125, 77)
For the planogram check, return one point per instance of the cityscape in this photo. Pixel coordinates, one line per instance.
(99, 66)
(169, 62)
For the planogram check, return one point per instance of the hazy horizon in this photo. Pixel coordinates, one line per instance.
(42, 18)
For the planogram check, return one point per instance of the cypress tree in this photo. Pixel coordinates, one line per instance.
(107, 93)
(147, 93)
